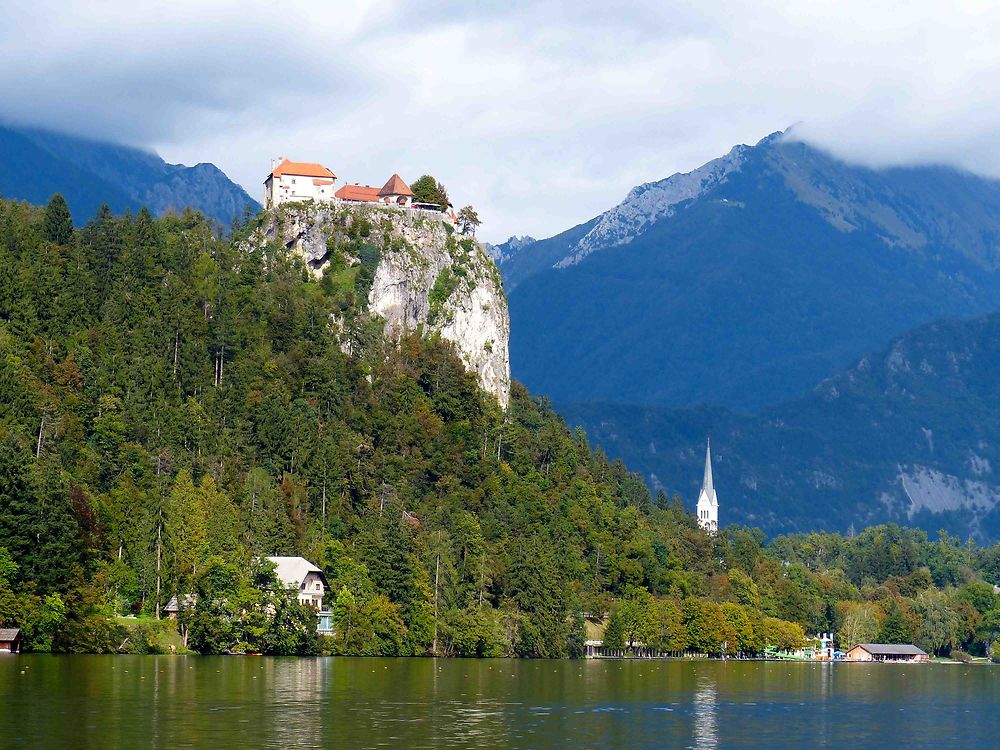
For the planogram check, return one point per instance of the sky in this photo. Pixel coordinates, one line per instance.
(540, 114)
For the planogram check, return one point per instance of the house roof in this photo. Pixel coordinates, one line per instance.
(9, 634)
(892, 649)
(190, 600)
(292, 571)
(301, 169)
(395, 186)
(365, 193)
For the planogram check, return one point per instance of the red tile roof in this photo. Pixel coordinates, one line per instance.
(322, 182)
(395, 186)
(364, 193)
(302, 169)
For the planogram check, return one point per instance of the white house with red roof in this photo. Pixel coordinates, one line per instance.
(395, 192)
(297, 181)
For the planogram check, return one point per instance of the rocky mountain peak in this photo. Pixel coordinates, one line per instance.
(506, 250)
(651, 202)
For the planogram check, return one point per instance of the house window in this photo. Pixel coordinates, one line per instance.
(319, 586)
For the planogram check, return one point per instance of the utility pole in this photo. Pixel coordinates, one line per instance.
(41, 428)
(437, 578)
(159, 558)
(159, 529)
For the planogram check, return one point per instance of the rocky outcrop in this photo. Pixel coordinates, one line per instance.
(413, 271)
(506, 250)
(651, 202)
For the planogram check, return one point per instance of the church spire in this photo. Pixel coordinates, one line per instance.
(707, 485)
(708, 501)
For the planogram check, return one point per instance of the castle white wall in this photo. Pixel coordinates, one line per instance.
(289, 188)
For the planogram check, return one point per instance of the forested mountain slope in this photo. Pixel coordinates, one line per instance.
(749, 280)
(909, 434)
(35, 164)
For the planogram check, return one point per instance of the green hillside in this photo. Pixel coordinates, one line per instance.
(173, 406)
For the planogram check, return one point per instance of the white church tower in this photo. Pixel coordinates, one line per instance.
(708, 502)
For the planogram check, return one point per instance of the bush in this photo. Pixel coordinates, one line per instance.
(144, 638)
(445, 283)
(961, 656)
(995, 652)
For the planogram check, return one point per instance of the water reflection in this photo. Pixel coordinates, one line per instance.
(706, 713)
(826, 691)
(296, 688)
(94, 703)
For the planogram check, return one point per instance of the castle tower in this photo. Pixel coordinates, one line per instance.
(708, 502)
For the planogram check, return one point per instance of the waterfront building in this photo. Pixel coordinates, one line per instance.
(894, 652)
(298, 574)
(10, 640)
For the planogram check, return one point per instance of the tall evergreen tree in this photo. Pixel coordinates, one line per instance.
(58, 224)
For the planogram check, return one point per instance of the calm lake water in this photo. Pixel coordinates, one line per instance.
(256, 702)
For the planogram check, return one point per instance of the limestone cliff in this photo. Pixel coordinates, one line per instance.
(411, 270)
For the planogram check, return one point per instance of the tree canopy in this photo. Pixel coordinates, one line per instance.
(426, 189)
(175, 406)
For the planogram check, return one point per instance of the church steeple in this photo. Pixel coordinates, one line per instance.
(708, 501)
(707, 485)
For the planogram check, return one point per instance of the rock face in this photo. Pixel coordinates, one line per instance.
(423, 274)
(652, 202)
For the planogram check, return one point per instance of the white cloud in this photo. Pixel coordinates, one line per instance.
(541, 114)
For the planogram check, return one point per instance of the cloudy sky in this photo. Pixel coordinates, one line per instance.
(541, 114)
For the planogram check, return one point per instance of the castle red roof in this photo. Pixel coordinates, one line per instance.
(395, 186)
(364, 193)
(302, 169)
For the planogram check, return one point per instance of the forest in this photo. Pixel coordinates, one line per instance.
(177, 404)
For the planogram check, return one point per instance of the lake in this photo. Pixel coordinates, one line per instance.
(258, 702)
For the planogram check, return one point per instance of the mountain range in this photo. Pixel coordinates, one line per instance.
(714, 302)
(35, 164)
(750, 279)
(909, 434)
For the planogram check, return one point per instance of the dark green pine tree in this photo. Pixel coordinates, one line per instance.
(60, 547)
(58, 224)
(17, 501)
(36, 523)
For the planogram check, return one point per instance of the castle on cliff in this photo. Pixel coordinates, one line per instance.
(297, 181)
